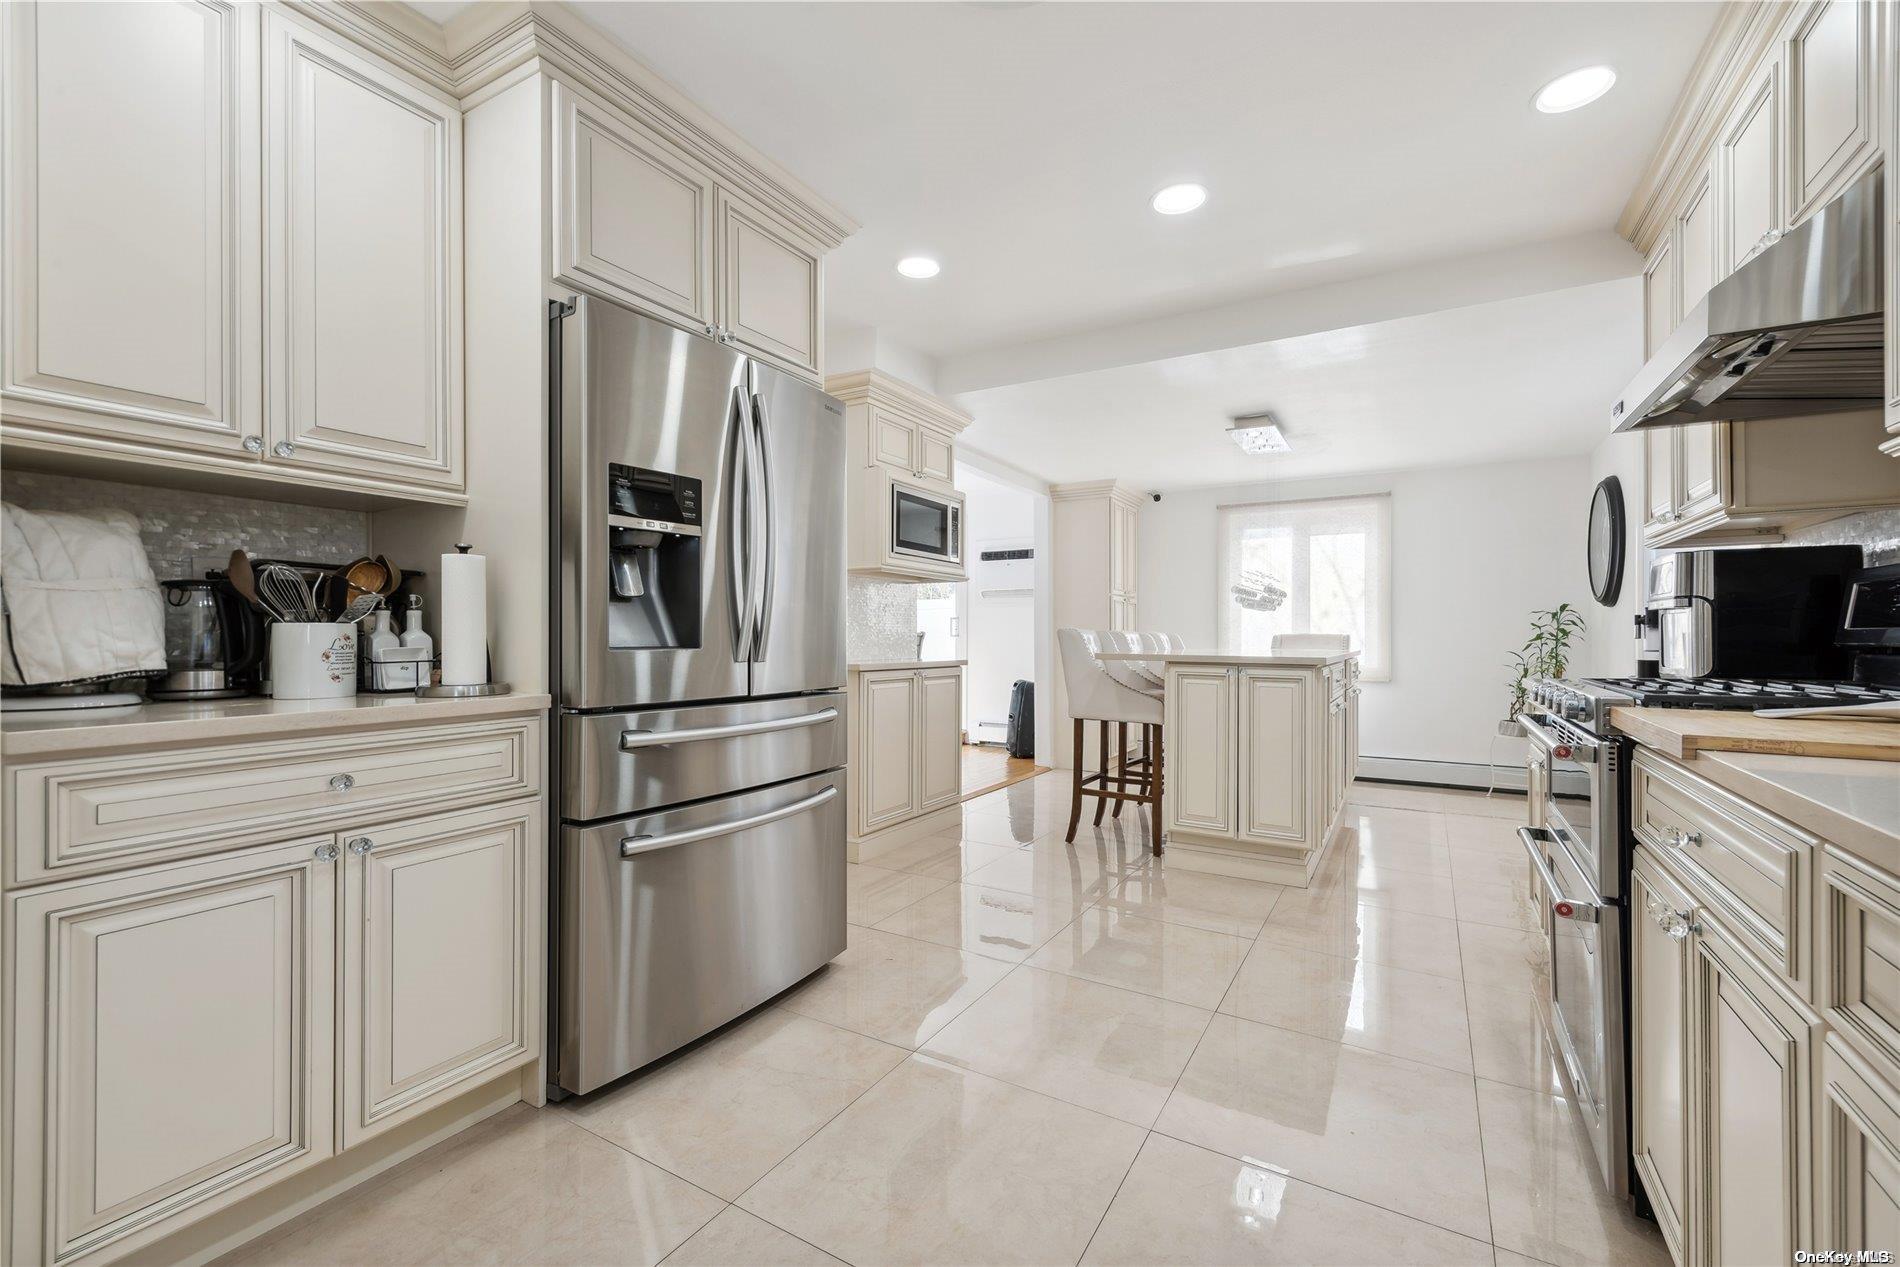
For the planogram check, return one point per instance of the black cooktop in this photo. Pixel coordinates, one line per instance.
(1746, 693)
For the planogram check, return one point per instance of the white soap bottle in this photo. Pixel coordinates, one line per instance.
(382, 635)
(413, 634)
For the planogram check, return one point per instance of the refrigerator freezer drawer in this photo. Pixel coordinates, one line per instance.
(674, 923)
(617, 764)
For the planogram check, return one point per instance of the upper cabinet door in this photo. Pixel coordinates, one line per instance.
(934, 456)
(893, 441)
(1695, 245)
(363, 250)
(1831, 97)
(1659, 294)
(768, 287)
(633, 217)
(1749, 171)
(131, 278)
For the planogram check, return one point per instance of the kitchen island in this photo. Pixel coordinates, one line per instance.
(1257, 755)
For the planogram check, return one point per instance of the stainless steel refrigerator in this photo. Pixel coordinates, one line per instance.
(699, 612)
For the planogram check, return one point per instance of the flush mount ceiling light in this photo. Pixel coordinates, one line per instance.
(1578, 88)
(1178, 200)
(1258, 433)
(918, 266)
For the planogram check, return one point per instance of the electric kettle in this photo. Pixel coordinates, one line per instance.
(214, 642)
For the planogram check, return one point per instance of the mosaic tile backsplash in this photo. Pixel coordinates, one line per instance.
(881, 620)
(180, 527)
(1877, 532)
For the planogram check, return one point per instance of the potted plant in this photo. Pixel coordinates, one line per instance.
(1545, 654)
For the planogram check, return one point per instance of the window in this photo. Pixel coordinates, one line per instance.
(1333, 560)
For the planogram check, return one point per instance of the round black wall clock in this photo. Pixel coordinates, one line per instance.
(1607, 529)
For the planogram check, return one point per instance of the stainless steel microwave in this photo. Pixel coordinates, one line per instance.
(926, 524)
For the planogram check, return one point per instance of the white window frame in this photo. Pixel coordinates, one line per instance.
(1299, 516)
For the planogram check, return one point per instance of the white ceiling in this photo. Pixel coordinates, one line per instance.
(1521, 378)
(1019, 143)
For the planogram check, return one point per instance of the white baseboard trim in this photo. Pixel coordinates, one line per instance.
(1508, 776)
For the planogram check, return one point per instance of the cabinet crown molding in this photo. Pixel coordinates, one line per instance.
(878, 388)
(1745, 31)
(1088, 490)
(481, 47)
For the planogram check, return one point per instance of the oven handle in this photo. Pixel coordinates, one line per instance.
(632, 739)
(1582, 910)
(1562, 749)
(633, 846)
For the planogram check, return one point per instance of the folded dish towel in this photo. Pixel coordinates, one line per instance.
(79, 600)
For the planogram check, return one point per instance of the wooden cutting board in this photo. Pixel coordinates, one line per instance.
(1683, 732)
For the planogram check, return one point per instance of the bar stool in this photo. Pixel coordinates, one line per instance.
(1107, 692)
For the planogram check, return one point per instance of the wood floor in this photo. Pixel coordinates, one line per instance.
(987, 767)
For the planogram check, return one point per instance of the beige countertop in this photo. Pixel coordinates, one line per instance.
(25, 735)
(1849, 803)
(879, 666)
(1230, 657)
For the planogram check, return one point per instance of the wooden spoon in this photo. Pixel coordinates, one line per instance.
(238, 572)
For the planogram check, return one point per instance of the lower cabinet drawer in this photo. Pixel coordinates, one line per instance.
(1751, 868)
(85, 815)
(441, 968)
(1857, 953)
(172, 1044)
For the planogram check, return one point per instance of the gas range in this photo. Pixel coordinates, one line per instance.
(1586, 702)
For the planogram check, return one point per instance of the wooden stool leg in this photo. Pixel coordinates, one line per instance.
(1075, 784)
(1101, 802)
(1121, 773)
(1154, 809)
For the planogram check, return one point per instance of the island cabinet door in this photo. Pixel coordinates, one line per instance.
(1858, 1147)
(440, 979)
(1660, 915)
(1284, 757)
(1199, 789)
(172, 1037)
(1753, 1049)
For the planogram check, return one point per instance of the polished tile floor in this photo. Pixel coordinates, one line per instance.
(1040, 1053)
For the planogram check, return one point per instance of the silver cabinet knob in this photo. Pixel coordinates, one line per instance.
(327, 853)
(283, 448)
(361, 845)
(341, 782)
(1682, 839)
(253, 444)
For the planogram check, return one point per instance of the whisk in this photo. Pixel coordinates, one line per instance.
(287, 594)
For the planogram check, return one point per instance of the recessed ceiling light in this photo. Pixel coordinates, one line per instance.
(1258, 433)
(1578, 88)
(1179, 199)
(918, 266)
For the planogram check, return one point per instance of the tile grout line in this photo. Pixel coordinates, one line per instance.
(1484, 1161)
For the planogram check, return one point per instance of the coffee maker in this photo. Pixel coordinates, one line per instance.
(214, 642)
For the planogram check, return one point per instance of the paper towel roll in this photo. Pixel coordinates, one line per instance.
(464, 618)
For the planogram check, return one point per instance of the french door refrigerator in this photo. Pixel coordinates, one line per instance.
(699, 609)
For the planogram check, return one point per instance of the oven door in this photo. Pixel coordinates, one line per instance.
(1583, 947)
(926, 525)
(1574, 758)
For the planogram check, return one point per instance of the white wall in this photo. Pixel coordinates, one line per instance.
(1612, 652)
(850, 347)
(999, 637)
(1474, 550)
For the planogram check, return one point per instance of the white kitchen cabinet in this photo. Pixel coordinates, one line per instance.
(179, 1052)
(1121, 614)
(1754, 1050)
(1857, 1151)
(1659, 914)
(895, 432)
(911, 447)
(1659, 480)
(1751, 172)
(768, 287)
(132, 287)
(939, 738)
(886, 726)
(1202, 766)
(633, 215)
(1833, 97)
(1275, 754)
(1889, 74)
(907, 745)
(936, 459)
(363, 247)
(1121, 550)
(440, 976)
(1695, 233)
(1659, 293)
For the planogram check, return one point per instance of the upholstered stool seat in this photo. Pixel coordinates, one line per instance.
(1123, 693)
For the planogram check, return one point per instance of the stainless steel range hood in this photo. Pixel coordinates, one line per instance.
(1796, 330)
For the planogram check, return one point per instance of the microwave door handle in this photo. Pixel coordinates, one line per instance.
(738, 530)
(763, 607)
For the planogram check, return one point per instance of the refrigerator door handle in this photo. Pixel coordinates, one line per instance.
(739, 530)
(634, 846)
(762, 426)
